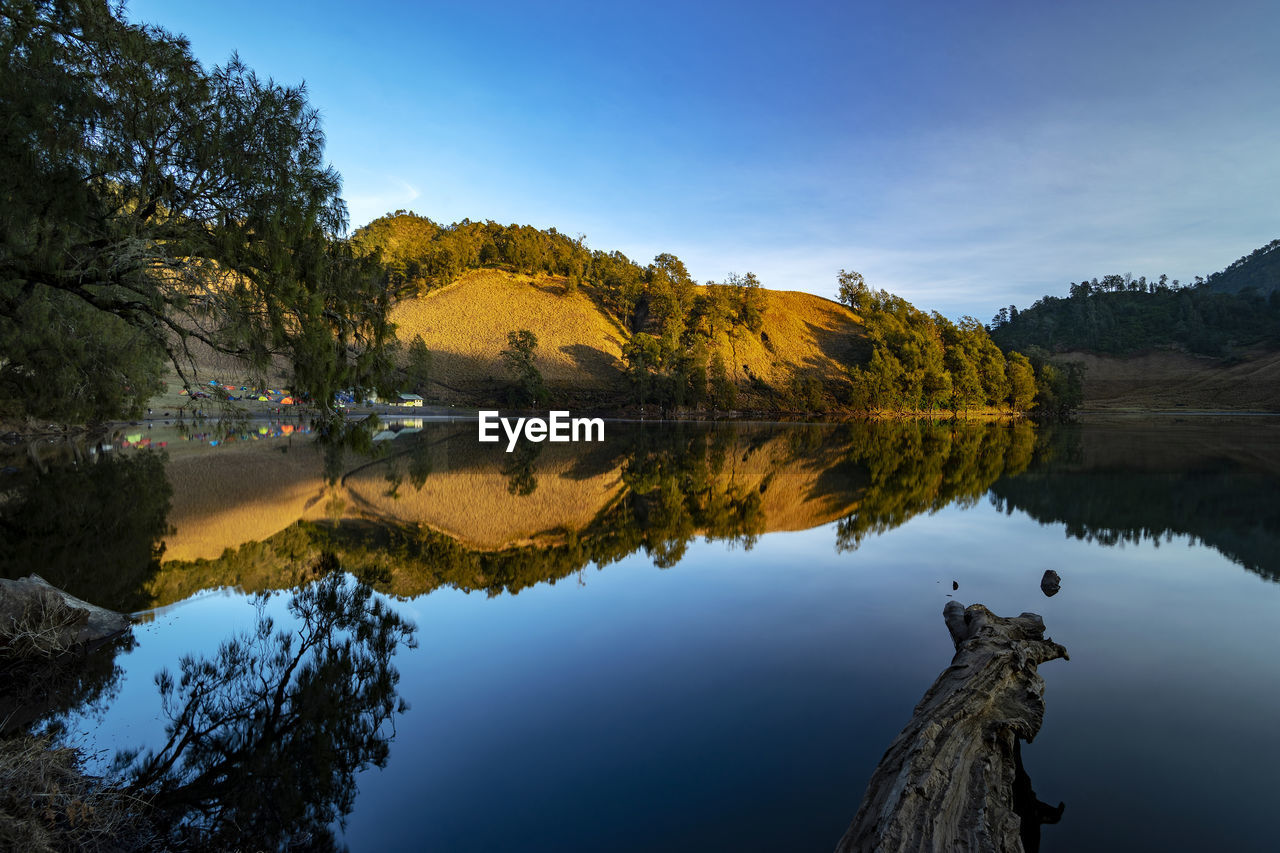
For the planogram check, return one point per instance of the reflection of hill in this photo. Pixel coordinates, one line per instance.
(1217, 483)
(478, 494)
(443, 510)
(239, 494)
(468, 493)
(488, 499)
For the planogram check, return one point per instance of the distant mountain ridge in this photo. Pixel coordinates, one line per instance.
(1223, 316)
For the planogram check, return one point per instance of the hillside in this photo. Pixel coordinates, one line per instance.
(1165, 380)
(1259, 270)
(580, 346)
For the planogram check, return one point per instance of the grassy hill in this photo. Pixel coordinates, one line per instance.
(1167, 380)
(580, 345)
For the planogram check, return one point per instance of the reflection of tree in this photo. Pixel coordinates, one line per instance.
(517, 467)
(92, 528)
(419, 465)
(681, 481)
(922, 466)
(1216, 501)
(337, 438)
(265, 738)
(675, 493)
(37, 693)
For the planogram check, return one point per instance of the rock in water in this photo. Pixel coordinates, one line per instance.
(80, 623)
(1050, 583)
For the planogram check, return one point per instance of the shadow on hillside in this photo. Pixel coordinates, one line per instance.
(836, 345)
(592, 360)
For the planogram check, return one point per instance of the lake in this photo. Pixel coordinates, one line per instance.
(688, 637)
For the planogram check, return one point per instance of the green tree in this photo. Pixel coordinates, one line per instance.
(1022, 382)
(527, 388)
(643, 356)
(724, 394)
(418, 367)
(751, 300)
(169, 205)
(852, 290)
(713, 306)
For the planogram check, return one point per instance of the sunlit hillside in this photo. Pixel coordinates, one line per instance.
(580, 346)
(465, 327)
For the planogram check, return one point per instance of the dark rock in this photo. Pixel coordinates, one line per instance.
(1050, 583)
(91, 624)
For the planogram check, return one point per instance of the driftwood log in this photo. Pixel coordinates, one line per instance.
(953, 780)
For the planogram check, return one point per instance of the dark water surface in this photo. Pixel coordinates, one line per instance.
(687, 638)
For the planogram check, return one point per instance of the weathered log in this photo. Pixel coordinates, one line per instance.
(946, 783)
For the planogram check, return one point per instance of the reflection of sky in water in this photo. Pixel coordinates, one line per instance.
(741, 699)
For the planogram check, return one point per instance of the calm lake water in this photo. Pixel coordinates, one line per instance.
(689, 637)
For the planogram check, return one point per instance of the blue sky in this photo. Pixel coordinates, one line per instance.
(965, 155)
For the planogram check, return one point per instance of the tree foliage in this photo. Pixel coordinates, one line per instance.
(150, 204)
(527, 387)
(1120, 314)
(915, 362)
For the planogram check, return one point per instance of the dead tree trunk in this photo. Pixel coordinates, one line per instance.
(946, 782)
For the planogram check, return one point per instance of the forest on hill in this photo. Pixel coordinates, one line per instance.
(685, 342)
(1222, 316)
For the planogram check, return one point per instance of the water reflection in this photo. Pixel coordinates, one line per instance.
(441, 509)
(265, 738)
(734, 632)
(416, 505)
(91, 523)
(1215, 483)
(39, 693)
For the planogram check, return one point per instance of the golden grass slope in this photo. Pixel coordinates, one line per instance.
(465, 327)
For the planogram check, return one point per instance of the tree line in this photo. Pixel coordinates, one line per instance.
(911, 361)
(671, 358)
(1120, 314)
